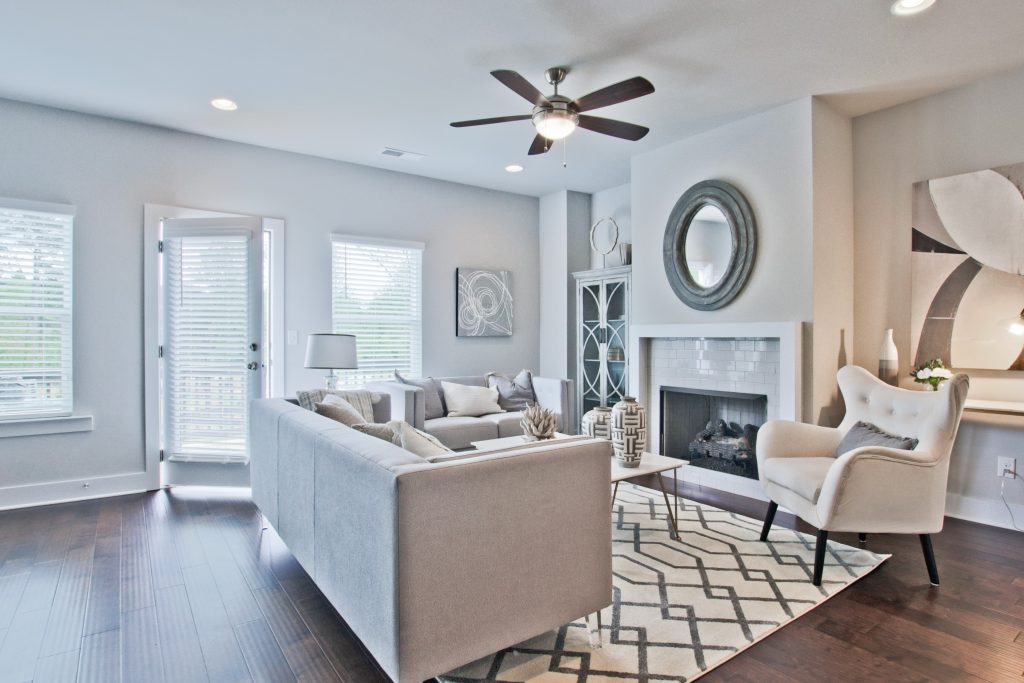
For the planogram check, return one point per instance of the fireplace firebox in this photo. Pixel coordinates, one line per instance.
(715, 430)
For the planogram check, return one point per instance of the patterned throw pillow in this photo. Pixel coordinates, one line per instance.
(337, 408)
(514, 393)
(360, 399)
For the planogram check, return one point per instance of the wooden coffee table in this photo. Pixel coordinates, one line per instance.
(653, 465)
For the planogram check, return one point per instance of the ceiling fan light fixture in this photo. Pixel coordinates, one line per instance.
(555, 124)
(906, 8)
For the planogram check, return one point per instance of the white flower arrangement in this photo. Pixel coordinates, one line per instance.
(934, 372)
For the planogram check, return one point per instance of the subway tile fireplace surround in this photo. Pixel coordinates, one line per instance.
(741, 370)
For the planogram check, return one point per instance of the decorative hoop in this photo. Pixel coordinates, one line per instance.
(593, 242)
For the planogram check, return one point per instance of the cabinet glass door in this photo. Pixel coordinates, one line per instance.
(592, 333)
(615, 336)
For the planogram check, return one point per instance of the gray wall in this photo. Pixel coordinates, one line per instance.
(110, 168)
(967, 129)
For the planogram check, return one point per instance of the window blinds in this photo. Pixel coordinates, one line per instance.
(376, 295)
(35, 313)
(206, 336)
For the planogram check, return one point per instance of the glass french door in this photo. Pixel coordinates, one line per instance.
(212, 340)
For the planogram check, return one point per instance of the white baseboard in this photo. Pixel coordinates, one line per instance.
(76, 489)
(983, 510)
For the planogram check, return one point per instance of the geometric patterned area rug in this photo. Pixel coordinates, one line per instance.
(680, 608)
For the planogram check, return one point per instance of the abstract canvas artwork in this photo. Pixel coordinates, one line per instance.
(968, 269)
(483, 303)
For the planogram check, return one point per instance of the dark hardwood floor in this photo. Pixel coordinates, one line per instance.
(181, 585)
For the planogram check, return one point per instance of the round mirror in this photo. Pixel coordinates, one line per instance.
(709, 246)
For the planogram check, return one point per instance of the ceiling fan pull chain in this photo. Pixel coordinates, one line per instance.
(565, 145)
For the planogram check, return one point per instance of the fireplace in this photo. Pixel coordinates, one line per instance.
(714, 430)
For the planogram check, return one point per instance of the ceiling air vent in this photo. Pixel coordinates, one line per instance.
(402, 154)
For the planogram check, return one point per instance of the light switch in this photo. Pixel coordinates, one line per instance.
(293, 337)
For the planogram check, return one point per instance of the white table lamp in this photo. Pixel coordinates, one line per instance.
(331, 352)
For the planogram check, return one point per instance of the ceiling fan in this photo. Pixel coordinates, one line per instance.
(556, 116)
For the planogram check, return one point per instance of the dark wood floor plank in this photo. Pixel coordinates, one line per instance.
(101, 658)
(12, 587)
(304, 654)
(103, 612)
(247, 549)
(238, 600)
(163, 554)
(41, 585)
(136, 562)
(140, 647)
(67, 612)
(186, 540)
(62, 668)
(262, 653)
(20, 649)
(179, 641)
(221, 653)
(341, 647)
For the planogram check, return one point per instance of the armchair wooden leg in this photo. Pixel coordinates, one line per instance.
(862, 538)
(819, 556)
(929, 559)
(768, 519)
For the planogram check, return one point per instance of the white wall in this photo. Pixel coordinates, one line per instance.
(109, 169)
(768, 157)
(967, 129)
(614, 203)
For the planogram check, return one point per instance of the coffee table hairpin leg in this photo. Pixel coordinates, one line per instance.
(668, 507)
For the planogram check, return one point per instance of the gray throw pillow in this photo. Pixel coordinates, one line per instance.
(433, 408)
(866, 434)
(514, 393)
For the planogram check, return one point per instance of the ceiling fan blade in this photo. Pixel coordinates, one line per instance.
(619, 129)
(619, 92)
(520, 86)
(540, 145)
(496, 119)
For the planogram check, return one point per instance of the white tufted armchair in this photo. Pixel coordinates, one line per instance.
(870, 489)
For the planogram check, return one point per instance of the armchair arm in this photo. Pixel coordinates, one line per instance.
(884, 490)
(785, 439)
(556, 395)
(407, 401)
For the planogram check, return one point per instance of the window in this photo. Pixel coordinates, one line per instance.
(35, 310)
(376, 294)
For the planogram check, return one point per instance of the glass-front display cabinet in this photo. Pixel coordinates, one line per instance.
(602, 337)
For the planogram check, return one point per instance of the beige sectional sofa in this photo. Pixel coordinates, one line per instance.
(436, 565)
(407, 403)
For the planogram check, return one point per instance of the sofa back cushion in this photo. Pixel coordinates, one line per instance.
(433, 404)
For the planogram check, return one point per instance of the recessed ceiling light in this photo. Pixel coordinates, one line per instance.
(904, 8)
(513, 168)
(224, 104)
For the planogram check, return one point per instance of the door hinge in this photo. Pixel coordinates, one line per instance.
(160, 246)
(160, 351)
(161, 455)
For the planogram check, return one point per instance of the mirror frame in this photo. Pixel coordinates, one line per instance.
(740, 217)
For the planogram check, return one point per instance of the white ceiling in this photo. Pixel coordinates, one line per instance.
(343, 79)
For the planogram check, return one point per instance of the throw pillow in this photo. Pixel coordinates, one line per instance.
(360, 399)
(433, 408)
(466, 401)
(417, 442)
(337, 408)
(381, 431)
(866, 434)
(514, 393)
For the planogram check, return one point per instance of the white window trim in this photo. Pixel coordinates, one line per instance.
(57, 423)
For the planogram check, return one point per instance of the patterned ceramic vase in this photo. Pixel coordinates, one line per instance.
(629, 431)
(596, 423)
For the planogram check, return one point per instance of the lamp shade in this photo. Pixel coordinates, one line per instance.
(331, 351)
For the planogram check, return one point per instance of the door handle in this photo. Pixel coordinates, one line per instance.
(253, 346)
(253, 365)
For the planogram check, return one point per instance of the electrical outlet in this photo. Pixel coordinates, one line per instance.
(1006, 467)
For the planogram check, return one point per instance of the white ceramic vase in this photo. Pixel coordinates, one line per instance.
(629, 431)
(596, 423)
(889, 360)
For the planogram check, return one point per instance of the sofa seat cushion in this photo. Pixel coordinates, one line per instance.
(507, 423)
(802, 476)
(460, 432)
